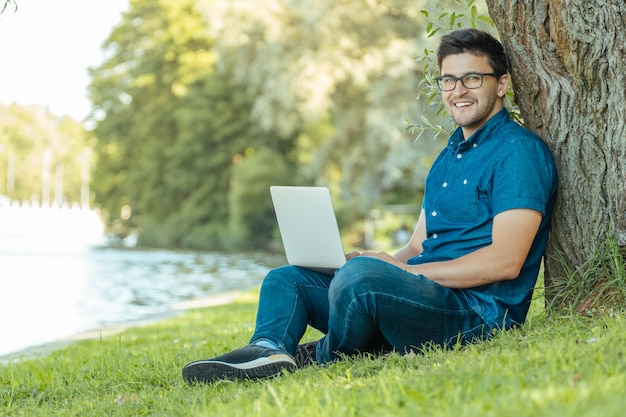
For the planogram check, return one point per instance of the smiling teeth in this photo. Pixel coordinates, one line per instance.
(463, 104)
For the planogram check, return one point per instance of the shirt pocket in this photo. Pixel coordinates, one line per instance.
(461, 202)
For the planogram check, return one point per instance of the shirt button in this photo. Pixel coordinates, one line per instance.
(434, 213)
(435, 236)
(474, 145)
(445, 184)
(459, 156)
(464, 182)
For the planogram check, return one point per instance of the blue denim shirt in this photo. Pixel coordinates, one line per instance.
(501, 167)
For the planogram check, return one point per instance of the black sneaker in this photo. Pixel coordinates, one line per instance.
(249, 362)
(306, 354)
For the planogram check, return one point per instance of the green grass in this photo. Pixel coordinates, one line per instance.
(568, 365)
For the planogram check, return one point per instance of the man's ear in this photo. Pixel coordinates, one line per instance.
(503, 84)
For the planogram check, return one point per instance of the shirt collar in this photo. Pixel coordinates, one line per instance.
(483, 134)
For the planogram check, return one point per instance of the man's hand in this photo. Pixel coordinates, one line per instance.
(352, 254)
(382, 256)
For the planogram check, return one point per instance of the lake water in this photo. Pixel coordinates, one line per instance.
(54, 285)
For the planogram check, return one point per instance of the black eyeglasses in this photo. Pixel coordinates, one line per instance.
(471, 80)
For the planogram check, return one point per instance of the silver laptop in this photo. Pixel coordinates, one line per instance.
(308, 227)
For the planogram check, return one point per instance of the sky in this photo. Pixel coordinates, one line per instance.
(46, 47)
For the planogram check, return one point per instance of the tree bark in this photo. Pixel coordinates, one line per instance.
(567, 64)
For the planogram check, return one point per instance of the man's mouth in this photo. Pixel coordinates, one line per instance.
(461, 104)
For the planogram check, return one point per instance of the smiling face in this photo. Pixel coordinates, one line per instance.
(471, 108)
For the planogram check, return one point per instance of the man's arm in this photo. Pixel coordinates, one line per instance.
(512, 235)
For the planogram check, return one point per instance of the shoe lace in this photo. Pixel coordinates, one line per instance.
(306, 354)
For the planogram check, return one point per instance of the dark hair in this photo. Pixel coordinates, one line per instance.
(476, 42)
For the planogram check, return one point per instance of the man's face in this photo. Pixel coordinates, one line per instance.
(470, 108)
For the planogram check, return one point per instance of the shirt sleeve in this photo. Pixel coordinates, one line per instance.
(524, 177)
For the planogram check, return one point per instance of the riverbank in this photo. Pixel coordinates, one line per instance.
(116, 328)
(53, 288)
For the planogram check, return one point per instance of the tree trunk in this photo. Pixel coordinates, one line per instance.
(568, 70)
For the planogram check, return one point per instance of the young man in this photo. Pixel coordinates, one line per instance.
(470, 265)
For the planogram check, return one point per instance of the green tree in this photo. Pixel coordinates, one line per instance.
(170, 126)
(156, 53)
(341, 72)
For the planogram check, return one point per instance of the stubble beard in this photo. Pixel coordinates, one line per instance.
(481, 111)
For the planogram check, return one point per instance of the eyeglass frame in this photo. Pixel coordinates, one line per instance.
(457, 79)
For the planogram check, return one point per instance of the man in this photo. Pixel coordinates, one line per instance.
(470, 265)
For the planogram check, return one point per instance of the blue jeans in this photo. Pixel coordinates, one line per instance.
(368, 306)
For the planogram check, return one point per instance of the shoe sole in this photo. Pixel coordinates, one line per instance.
(208, 371)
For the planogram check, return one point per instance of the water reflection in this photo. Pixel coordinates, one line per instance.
(50, 289)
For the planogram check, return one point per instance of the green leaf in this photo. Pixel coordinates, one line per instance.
(426, 121)
(487, 19)
(431, 34)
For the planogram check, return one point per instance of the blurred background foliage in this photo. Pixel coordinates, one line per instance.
(42, 156)
(201, 105)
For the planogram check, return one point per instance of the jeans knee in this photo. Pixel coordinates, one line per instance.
(356, 276)
(278, 277)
